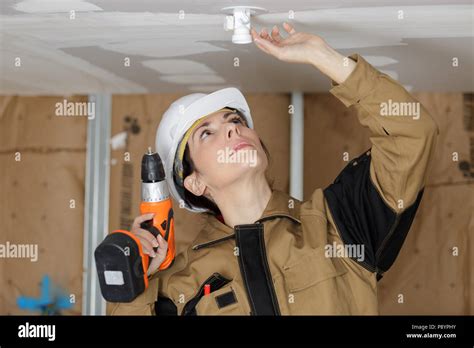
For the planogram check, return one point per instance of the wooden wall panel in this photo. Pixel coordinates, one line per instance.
(447, 110)
(330, 131)
(35, 197)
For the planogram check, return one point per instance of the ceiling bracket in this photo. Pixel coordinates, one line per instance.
(238, 19)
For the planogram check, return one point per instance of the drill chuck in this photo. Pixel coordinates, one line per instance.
(152, 167)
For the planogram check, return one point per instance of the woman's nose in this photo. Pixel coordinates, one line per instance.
(232, 127)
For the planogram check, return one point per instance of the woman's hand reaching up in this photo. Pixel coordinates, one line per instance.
(296, 48)
(304, 48)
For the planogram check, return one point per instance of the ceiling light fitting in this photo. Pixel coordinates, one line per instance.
(238, 19)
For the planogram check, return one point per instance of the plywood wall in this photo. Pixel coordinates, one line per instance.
(429, 277)
(36, 194)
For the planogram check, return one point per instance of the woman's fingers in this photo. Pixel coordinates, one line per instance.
(263, 33)
(148, 236)
(147, 247)
(159, 256)
(148, 242)
(274, 44)
(276, 34)
(289, 28)
(268, 46)
(266, 36)
(163, 245)
(142, 218)
(297, 47)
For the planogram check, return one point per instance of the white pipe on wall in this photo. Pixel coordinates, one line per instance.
(297, 146)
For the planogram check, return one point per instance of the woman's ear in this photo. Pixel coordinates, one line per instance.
(193, 184)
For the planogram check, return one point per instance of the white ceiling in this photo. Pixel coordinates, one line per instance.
(61, 56)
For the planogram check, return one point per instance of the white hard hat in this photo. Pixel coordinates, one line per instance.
(180, 116)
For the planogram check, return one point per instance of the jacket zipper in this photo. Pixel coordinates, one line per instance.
(212, 242)
(216, 241)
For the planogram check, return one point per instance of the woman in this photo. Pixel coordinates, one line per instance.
(262, 252)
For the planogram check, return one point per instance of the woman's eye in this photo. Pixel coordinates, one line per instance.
(206, 133)
(236, 119)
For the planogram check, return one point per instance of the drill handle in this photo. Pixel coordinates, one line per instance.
(150, 227)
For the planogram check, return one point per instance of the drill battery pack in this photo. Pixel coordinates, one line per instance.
(121, 267)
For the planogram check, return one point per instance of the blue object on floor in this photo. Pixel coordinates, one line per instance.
(51, 301)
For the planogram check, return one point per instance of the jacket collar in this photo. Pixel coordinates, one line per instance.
(280, 205)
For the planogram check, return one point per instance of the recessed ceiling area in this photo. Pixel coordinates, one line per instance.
(145, 46)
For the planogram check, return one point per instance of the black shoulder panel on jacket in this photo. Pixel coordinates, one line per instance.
(363, 218)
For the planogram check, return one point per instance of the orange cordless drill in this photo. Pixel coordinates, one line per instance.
(121, 264)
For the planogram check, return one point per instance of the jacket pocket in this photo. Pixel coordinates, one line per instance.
(225, 301)
(317, 284)
(223, 298)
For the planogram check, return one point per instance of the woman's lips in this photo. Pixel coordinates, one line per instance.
(240, 145)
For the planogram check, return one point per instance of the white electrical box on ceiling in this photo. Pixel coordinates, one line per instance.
(239, 20)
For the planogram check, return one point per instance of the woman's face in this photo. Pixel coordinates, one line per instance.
(223, 150)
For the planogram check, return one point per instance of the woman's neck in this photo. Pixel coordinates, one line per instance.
(243, 202)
